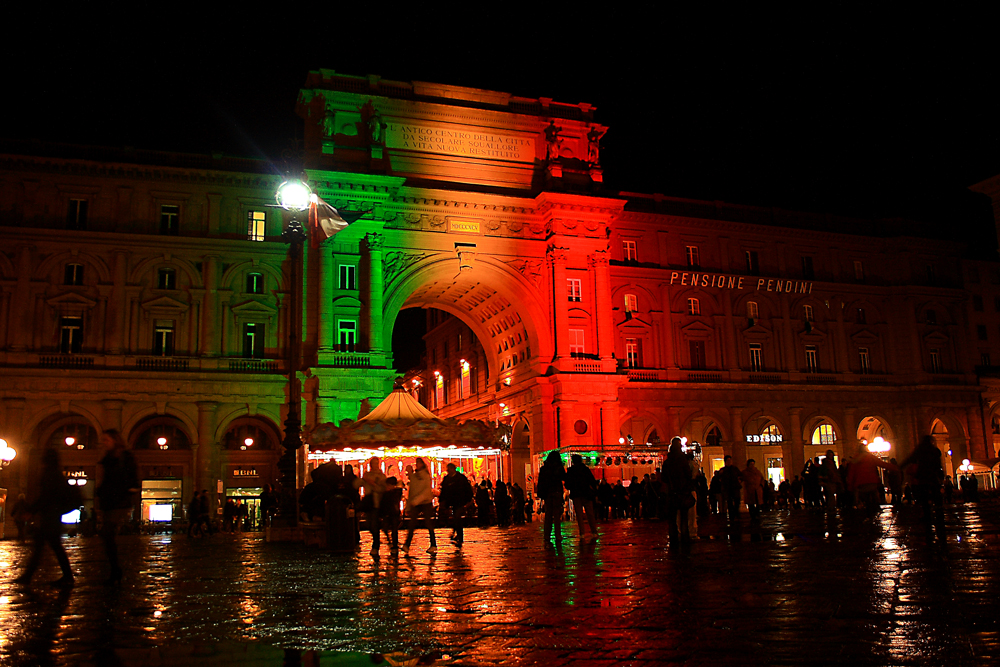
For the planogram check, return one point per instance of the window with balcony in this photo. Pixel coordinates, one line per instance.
(347, 335)
(256, 225)
(631, 303)
(73, 274)
(696, 349)
(575, 288)
(984, 359)
(812, 359)
(859, 271)
(76, 216)
(163, 338)
(255, 283)
(70, 334)
(629, 251)
(632, 353)
(694, 307)
(864, 361)
(935, 355)
(807, 313)
(931, 316)
(465, 387)
(752, 311)
(756, 357)
(253, 340)
(860, 316)
(170, 219)
(693, 258)
(753, 264)
(576, 343)
(438, 391)
(348, 276)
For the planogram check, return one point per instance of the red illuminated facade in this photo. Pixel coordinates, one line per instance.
(149, 292)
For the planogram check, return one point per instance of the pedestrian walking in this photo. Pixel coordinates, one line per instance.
(731, 481)
(830, 480)
(501, 499)
(924, 467)
(582, 491)
(550, 492)
(753, 489)
(456, 494)
(420, 504)
(863, 478)
(389, 512)
(117, 487)
(54, 499)
(373, 484)
(681, 498)
(517, 501)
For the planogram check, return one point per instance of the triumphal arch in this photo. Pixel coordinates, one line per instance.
(477, 204)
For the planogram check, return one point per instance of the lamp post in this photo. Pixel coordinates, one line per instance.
(294, 196)
(7, 453)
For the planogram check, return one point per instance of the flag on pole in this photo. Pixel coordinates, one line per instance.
(324, 221)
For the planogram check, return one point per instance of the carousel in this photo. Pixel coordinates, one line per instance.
(399, 430)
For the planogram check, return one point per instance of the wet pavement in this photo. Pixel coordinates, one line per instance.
(803, 589)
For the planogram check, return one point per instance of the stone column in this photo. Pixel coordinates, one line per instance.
(113, 414)
(557, 260)
(790, 345)
(849, 438)
(733, 363)
(610, 411)
(841, 361)
(15, 437)
(206, 456)
(210, 326)
(327, 276)
(602, 304)
(21, 324)
(670, 345)
(796, 452)
(375, 295)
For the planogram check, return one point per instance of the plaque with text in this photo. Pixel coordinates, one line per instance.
(461, 140)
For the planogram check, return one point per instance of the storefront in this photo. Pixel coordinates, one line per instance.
(161, 493)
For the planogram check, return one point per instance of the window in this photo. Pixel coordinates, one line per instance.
(807, 268)
(859, 271)
(753, 266)
(73, 274)
(807, 313)
(170, 218)
(860, 316)
(70, 334)
(166, 279)
(981, 332)
(631, 303)
(632, 353)
(697, 350)
(694, 261)
(694, 307)
(575, 288)
(984, 359)
(438, 391)
(752, 312)
(628, 251)
(935, 360)
(977, 303)
(348, 276)
(812, 359)
(824, 435)
(253, 340)
(76, 217)
(255, 225)
(864, 360)
(931, 316)
(756, 361)
(163, 338)
(466, 385)
(347, 335)
(255, 283)
(576, 346)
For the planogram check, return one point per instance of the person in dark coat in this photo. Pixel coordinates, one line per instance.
(501, 499)
(924, 467)
(117, 488)
(483, 504)
(701, 488)
(582, 491)
(550, 491)
(677, 471)
(47, 509)
(517, 500)
(456, 493)
(605, 498)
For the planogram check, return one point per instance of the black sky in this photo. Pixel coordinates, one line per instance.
(858, 112)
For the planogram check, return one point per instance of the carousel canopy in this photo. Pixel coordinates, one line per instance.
(400, 420)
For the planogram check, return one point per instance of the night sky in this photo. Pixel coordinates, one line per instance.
(850, 112)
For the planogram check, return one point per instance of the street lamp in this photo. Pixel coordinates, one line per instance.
(294, 196)
(7, 453)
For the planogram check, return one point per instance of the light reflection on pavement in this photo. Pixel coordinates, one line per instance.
(803, 589)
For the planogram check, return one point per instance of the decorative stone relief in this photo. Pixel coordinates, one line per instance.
(394, 262)
(529, 268)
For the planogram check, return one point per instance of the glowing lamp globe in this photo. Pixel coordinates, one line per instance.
(293, 195)
(70, 441)
(7, 453)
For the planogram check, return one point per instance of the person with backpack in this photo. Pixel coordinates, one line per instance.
(456, 493)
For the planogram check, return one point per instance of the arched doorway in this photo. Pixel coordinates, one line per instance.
(821, 435)
(764, 438)
(942, 440)
(250, 451)
(76, 441)
(162, 448)
(874, 432)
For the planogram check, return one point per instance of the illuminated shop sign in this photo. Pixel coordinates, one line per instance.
(245, 472)
(766, 438)
(722, 281)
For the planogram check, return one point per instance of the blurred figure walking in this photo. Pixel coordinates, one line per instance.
(117, 485)
(53, 499)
